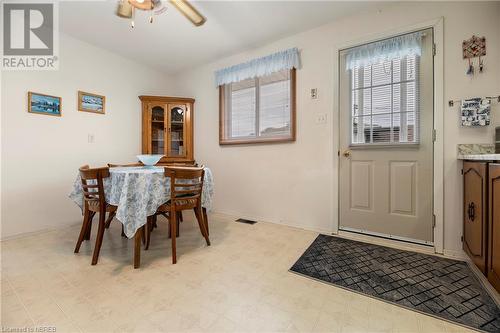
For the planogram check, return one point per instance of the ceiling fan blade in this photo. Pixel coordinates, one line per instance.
(189, 11)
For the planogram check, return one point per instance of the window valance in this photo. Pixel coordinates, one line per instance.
(272, 63)
(384, 50)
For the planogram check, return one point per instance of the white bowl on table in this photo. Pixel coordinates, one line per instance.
(149, 160)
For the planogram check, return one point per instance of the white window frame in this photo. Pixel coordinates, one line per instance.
(225, 117)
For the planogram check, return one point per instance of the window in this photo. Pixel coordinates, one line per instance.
(384, 102)
(259, 109)
(382, 81)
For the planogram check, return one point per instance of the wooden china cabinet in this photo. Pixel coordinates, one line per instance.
(167, 128)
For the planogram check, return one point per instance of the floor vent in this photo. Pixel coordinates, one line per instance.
(246, 221)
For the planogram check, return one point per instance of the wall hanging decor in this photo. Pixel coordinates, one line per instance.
(475, 112)
(88, 102)
(44, 104)
(474, 47)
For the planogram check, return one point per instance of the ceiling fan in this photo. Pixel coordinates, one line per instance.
(127, 8)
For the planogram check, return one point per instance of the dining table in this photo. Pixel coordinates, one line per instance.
(138, 191)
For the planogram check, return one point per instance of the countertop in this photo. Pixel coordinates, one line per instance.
(479, 157)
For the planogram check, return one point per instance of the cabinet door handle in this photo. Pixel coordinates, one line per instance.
(471, 211)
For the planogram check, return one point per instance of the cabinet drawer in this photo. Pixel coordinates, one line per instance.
(475, 212)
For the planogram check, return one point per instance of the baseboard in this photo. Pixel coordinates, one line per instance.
(38, 232)
(236, 215)
(483, 280)
(455, 254)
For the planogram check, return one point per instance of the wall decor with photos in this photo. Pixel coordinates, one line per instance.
(88, 102)
(44, 104)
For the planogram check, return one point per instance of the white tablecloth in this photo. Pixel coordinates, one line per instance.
(138, 192)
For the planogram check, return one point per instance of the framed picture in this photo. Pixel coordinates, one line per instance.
(88, 102)
(44, 104)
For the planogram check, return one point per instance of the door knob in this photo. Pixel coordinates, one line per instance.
(347, 153)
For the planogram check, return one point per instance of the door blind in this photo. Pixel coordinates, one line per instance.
(385, 102)
(242, 105)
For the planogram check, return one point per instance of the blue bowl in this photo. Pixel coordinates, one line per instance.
(149, 160)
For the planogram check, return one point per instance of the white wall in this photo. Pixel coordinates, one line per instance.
(295, 183)
(41, 154)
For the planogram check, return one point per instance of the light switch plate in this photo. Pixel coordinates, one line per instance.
(91, 138)
(321, 118)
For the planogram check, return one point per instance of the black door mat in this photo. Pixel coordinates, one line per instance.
(246, 221)
(443, 288)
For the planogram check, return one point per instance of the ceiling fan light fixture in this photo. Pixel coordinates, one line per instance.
(142, 4)
(124, 9)
(189, 12)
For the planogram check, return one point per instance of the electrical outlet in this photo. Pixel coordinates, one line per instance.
(91, 138)
(321, 118)
(314, 93)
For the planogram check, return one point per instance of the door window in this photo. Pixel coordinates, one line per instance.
(384, 99)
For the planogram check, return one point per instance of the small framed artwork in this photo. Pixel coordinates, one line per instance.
(88, 102)
(44, 104)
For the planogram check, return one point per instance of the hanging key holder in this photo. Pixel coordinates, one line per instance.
(474, 47)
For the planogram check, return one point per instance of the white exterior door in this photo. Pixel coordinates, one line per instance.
(386, 146)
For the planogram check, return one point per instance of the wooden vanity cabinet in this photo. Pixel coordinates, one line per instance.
(481, 233)
(475, 212)
(493, 268)
(167, 128)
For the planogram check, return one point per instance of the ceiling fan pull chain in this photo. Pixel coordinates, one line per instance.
(132, 24)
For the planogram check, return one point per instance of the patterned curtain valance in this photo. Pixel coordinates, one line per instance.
(384, 50)
(272, 63)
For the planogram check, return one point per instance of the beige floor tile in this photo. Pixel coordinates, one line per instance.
(14, 313)
(222, 324)
(430, 324)
(329, 322)
(452, 328)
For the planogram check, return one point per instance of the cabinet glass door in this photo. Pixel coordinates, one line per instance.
(177, 117)
(157, 130)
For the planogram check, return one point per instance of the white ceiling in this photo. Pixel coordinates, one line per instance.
(172, 43)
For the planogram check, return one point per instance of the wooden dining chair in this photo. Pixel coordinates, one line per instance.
(193, 164)
(186, 187)
(94, 202)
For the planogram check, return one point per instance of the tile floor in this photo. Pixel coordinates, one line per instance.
(241, 283)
